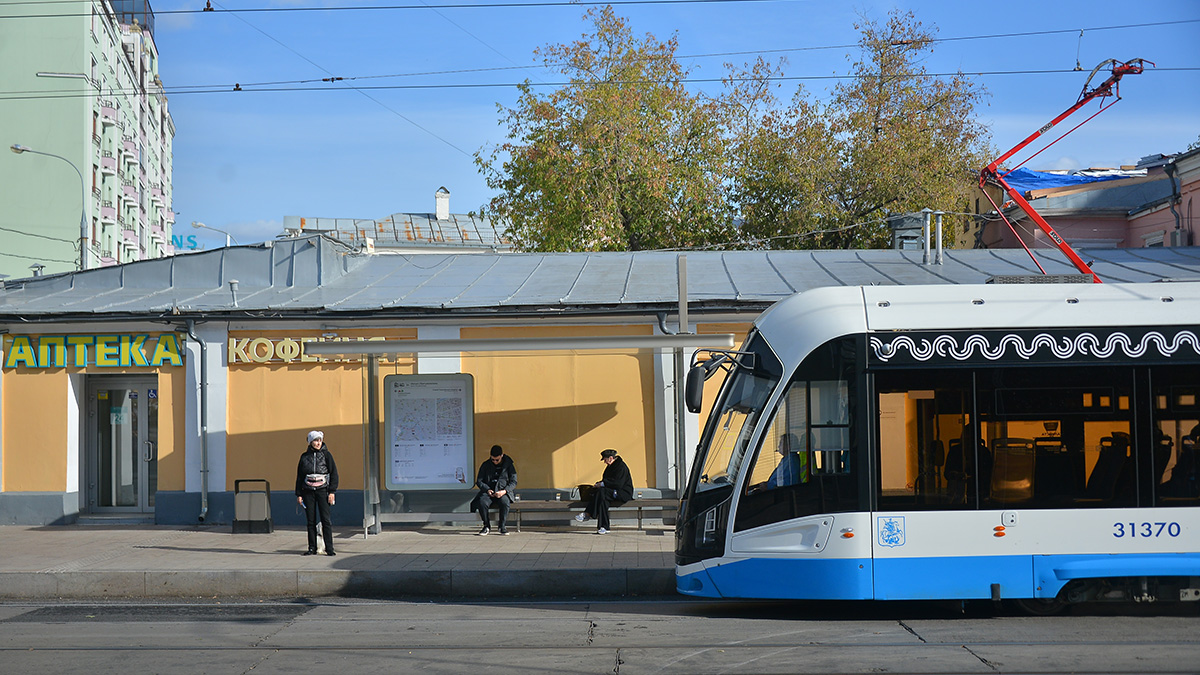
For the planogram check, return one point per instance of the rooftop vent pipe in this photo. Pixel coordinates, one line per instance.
(442, 204)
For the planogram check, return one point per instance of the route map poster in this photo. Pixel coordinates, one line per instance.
(430, 431)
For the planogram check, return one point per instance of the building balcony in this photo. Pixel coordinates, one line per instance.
(130, 236)
(108, 114)
(158, 232)
(96, 140)
(108, 215)
(108, 164)
(169, 216)
(130, 190)
(156, 195)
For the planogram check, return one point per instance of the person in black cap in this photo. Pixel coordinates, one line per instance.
(316, 481)
(496, 480)
(613, 489)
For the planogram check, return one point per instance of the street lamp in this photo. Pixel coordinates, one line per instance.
(228, 236)
(83, 221)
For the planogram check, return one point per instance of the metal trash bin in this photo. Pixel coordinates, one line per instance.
(252, 508)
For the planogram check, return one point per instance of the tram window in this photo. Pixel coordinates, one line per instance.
(788, 463)
(830, 450)
(1176, 462)
(732, 425)
(1031, 444)
(803, 465)
(1054, 446)
(925, 447)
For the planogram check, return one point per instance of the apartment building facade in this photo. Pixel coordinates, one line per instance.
(88, 178)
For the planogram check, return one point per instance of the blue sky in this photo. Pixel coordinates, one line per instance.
(244, 160)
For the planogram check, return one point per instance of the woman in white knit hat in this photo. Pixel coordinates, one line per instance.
(316, 481)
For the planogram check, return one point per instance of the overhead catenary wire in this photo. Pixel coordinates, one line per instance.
(358, 89)
(216, 88)
(209, 9)
(799, 235)
(40, 259)
(248, 88)
(41, 236)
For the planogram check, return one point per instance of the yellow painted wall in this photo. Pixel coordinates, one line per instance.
(35, 433)
(272, 407)
(172, 419)
(35, 430)
(555, 411)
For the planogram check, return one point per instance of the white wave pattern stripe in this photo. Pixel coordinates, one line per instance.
(1082, 344)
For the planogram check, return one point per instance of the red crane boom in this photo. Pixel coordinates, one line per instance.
(990, 173)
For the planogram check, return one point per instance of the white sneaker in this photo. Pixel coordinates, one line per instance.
(601, 531)
(583, 517)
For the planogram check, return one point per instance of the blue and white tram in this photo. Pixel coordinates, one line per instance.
(1035, 442)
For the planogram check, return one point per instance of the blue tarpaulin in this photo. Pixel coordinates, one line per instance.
(1026, 179)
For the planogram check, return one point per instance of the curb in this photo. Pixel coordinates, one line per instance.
(605, 582)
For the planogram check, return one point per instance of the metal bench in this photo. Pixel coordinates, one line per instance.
(637, 507)
(552, 506)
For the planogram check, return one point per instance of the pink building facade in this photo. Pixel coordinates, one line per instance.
(1155, 209)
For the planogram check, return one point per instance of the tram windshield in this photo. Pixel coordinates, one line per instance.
(736, 415)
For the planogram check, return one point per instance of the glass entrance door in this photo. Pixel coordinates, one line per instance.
(123, 444)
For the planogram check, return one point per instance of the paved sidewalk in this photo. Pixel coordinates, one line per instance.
(147, 561)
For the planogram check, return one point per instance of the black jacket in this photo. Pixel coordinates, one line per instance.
(617, 477)
(502, 476)
(316, 461)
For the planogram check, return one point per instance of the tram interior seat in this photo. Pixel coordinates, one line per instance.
(1110, 465)
(1162, 454)
(1014, 463)
(961, 469)
(1184, 482)
(1053, 477)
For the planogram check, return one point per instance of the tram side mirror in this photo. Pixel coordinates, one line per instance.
(693, 390)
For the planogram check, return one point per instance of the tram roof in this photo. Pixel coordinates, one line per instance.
(318, 275)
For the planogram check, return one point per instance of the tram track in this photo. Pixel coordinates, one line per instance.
(621, 637)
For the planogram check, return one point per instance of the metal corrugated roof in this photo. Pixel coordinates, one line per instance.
(316, 275)
(407, 231)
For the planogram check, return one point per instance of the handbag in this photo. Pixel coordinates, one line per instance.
(586, 492)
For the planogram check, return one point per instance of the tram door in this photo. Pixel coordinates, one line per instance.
(122, 444)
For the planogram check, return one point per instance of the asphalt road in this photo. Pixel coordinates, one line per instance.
(669, 635)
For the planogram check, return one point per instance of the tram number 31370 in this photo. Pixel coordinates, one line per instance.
(1121, 530)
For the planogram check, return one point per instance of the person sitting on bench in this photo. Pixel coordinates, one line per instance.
(496, 480)
(613, 489)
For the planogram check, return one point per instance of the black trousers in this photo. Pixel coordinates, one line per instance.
(602, 498)
(316, 502)
(486, 502)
